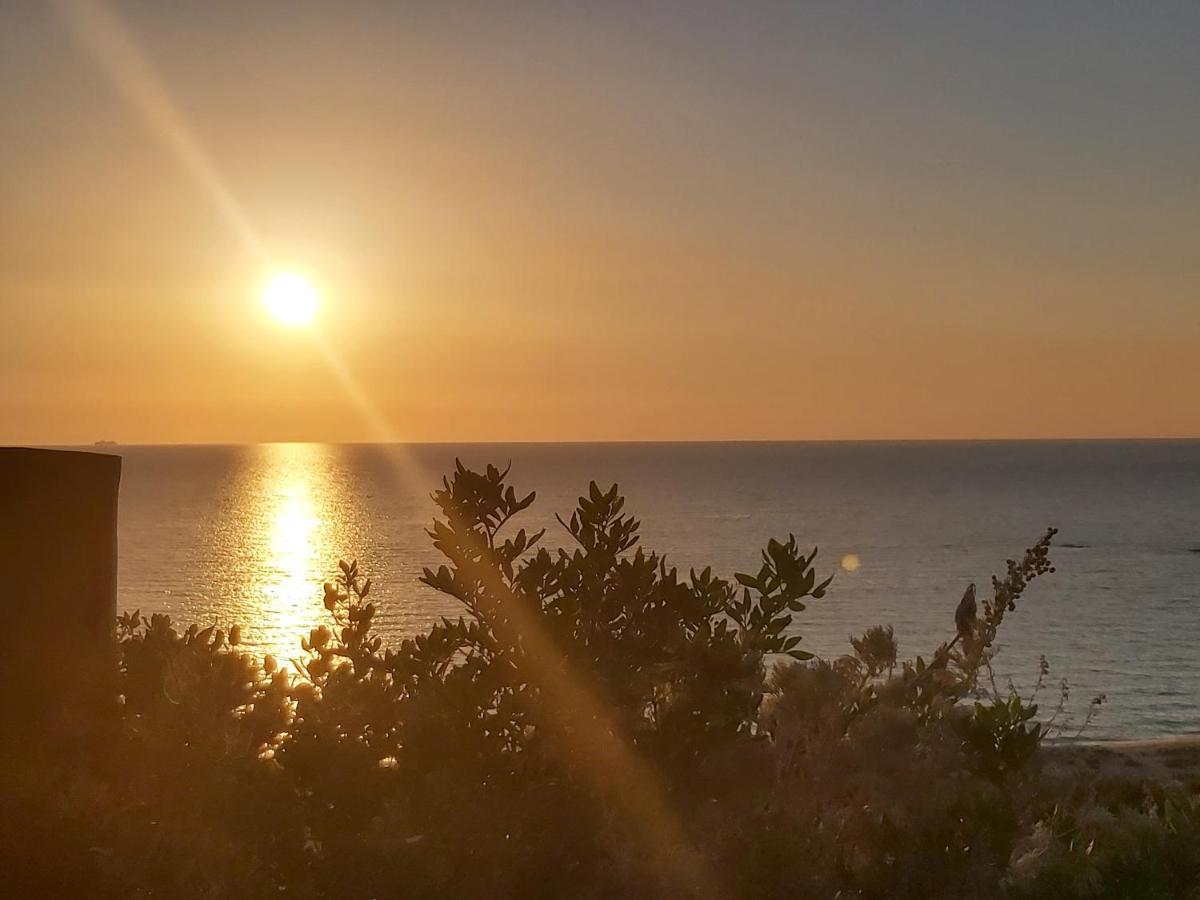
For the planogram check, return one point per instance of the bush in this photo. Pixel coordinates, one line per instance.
(594, 724)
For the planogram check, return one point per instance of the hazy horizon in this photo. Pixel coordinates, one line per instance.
(634, 441)
(685, 222)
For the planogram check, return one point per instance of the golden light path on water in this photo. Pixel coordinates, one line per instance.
(297, 543)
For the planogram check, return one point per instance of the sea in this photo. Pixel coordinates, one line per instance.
(247, 534)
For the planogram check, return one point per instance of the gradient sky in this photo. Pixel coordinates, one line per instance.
(573, 222)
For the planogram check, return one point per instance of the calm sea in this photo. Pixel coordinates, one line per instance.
(248, 533)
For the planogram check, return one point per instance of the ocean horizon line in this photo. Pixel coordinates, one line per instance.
(110, 444)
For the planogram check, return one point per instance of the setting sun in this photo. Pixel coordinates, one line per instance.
(290, 298)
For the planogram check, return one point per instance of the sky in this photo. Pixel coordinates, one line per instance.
(618, 221)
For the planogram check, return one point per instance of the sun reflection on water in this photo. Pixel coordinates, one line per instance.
(294, 522)
(293, 553)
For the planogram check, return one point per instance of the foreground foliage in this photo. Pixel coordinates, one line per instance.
(595, 724)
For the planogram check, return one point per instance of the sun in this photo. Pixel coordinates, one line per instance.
(290, 298)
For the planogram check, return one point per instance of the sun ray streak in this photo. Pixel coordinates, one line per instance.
(585, 729)
(101, 33)
(585, 724)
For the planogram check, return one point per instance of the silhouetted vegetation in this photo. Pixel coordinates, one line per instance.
(595, 724)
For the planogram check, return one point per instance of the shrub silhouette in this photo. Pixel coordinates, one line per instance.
(594, 724)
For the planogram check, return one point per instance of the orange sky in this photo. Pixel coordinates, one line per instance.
(555, 225)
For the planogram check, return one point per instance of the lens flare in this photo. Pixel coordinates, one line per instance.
(587, 728)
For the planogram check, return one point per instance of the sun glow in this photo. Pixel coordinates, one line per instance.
(290, 298)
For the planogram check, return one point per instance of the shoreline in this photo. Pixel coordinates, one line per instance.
(1169, 760)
